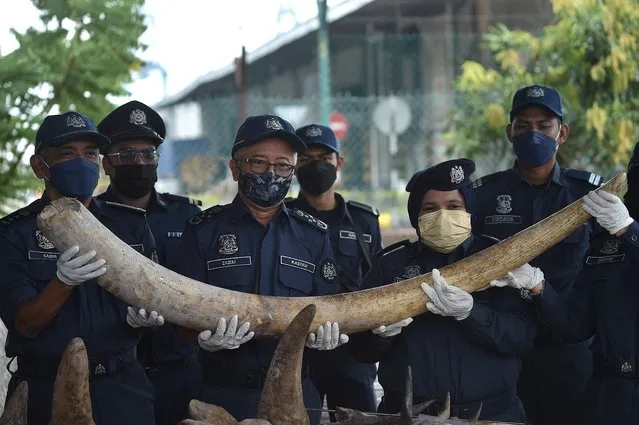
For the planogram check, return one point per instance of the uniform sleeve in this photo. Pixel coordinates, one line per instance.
(507, 323)
(15, 286)
(574, 320)
(325, 279)
(188, 260)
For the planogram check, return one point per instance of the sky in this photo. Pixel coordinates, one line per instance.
(188, 38)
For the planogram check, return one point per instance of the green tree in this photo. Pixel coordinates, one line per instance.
(589, 53)
(87, 51)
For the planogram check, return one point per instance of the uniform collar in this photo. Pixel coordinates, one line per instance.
(156, 199)
(238, 210)
(303, 204)
(557, 176)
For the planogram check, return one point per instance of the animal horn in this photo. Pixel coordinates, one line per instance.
(282, 402)
(210, 413)
(71, 398)
(445, 414)
(15, 410)
(141, 282)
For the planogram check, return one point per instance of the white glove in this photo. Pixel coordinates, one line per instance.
(225, 338)
(74, 272)
(609, 211)
(139, 318)
(327, 338)
(447, 300)
(524, 277)
(392, 329)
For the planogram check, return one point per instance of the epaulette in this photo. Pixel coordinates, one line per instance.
(486, 179)
(307, 218)
(125, 207)
(206, 215)
(183, 199)
(16, 217)
(394, 247)
(592, 178)
(364, 207)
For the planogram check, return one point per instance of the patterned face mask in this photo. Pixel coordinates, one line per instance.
(266, 189)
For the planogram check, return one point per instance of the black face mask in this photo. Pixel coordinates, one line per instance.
(316, 177)
(266, 189)
(135, 181)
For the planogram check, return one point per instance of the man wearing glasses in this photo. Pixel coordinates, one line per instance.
(131, 163)
(258, 245)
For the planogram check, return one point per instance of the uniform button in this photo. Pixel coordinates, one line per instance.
(634, 238)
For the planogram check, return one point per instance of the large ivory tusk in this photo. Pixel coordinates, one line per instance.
(15, 409)
(140, 282)
(71, 403)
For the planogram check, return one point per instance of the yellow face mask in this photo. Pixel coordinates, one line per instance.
(444, 230)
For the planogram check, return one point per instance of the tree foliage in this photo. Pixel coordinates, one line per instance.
(85, 52)
(590, 53)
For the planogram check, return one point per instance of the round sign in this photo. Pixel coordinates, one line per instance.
(339, 124)
(392, 116)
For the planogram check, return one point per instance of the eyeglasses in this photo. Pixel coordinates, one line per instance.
(260, 166)
(130, 156)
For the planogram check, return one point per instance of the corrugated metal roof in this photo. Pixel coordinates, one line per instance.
(334, 13)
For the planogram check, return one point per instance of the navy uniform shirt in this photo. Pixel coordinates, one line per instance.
(507, 204)
(475, 358)
(167, 214)
(351, 262)
(226, 247)
(28, 264)
(605, 303)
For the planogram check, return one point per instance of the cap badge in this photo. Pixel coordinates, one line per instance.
(535, 92)
(273, 124)
(137, 117)
(313, 132)
(456, 174)
(75, 121)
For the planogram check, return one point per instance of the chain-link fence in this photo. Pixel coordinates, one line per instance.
(384, 140)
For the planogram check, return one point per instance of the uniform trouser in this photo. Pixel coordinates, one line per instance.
(242, 402)
(123, 398)
(345, 382)
(553, 381)
(175, 384)
(611, 400)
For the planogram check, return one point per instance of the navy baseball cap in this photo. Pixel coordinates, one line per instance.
(315, 134)
(449, 175)
(537, 95)
(133, 120)
(57, 130)
(261, 127)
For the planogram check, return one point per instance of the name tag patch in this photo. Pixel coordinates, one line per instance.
(347, 234)
(297, 263)
(173, 234)
(605, 259)
(223, 263)
(138, 247)
(502, 219)
(44, 255)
